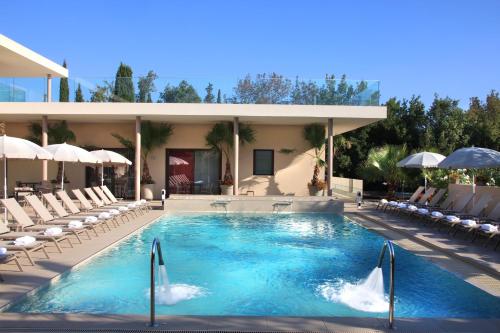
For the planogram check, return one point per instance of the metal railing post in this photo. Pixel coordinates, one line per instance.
(390, 246)
(154, 248)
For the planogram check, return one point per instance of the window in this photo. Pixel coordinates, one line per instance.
(263, 162)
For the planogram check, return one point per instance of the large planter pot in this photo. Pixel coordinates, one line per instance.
(226, 189)
(147, 191)
(315, 192)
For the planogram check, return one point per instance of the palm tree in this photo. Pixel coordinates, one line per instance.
(57, 133)
(314, 134)
(152, 136)
(221, 139)
(381, 166)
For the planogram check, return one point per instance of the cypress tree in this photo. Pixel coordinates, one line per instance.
(209, 98)
(124, 87)
(219, 98)
(79, 94)
(64, 87)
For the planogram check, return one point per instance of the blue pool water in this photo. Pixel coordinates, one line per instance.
(257, 265)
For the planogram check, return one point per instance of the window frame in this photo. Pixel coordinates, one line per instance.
(255, 160)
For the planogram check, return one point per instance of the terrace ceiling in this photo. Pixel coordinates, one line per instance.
(19, 61)
(346, 118)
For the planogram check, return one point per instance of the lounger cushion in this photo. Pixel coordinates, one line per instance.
(452, 218)
(437, 214)
(412, 208)
(75, 224)
(104, 215)
(468, 223)
(24, 241)
(54, 231)
(114, 212)
(122, 209)
(383, 201)
(393, 203)
(3, 251)
(402, 205)
(91, 219)
(423, 211)
(488, 227)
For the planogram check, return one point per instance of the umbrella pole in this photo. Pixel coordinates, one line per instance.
(62, 177)
(425, 183)
(5, 187)
(102, 174)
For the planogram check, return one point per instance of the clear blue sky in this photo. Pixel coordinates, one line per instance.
(413, 47)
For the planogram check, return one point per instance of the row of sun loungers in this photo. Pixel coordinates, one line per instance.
(61, 220)
(458, 212)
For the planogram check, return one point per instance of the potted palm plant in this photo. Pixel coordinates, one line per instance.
(221, 139)
(314, 134)
(152, 136)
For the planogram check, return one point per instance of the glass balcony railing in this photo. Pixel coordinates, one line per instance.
(260, 89)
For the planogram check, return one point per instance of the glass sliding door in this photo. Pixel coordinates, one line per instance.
(192, 171)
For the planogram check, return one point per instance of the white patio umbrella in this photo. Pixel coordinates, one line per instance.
(472, 158)
(17, 148)
(63, 152)
(172, 160)
(110, 158)
(421, 160)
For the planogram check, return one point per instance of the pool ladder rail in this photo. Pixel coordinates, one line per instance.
(388, 245)
(155, 248)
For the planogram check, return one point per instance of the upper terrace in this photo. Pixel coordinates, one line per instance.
(26, 76)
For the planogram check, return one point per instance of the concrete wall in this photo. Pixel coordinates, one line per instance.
(275, 204)
(347, 186)
(292, 171)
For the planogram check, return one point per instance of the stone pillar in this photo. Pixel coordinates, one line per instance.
(330, 156)
(236, 141)
(137, 158)
(45, 142)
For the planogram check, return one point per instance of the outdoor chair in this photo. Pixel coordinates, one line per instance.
(384, 204)
(139, 205)
(44, 217)
(58, 208)
(24, 222)
(98, 203)
(455, 219)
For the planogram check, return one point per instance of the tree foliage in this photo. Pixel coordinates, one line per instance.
(183, 93)
(314, 134)
(209, 97)
(221, 139)
(124, 87)
(153, 135)
(64, 87)
(381, 165)
(146, 86)
(79, 94)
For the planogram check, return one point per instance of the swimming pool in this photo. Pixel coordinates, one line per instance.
(257, 264)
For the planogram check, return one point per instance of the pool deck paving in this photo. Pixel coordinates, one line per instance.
(19, 322)
(472, 262)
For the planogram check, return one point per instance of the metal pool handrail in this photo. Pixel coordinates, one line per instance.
(388, 245)
(154, 248)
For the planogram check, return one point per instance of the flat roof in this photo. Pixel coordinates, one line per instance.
(346, 118)
(17, 60)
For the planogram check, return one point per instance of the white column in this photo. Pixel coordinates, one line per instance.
(49, 88)
(45, 142)
(137, 158)
(236, 140)
(330, 156)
